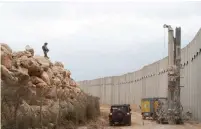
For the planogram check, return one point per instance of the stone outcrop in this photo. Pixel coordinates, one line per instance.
(38, 93)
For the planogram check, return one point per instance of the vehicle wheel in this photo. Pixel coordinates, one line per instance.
(162, 121)
(154, 117)
(143, 117)
(159, 121)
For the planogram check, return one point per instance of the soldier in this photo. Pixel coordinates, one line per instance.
(45, 50)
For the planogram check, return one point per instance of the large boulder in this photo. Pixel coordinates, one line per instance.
(14, 77)
(26, 62)
(31, 64)
(6, 56)
(6, 47)
(72, 82)
(45, 77)
(38, 82)
(21, 53)
(67, 74)
(56, 81)
(28, 116)
(58, 70)
(66, 82)
(52, 93)
(77, 90)
(7, 76)
(59, 64)
(23, 70)
(35, 70)
(23, 78)
(44, 62)
(26, 93)
(29, 49)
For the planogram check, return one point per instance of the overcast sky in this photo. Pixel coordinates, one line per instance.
(97, 39)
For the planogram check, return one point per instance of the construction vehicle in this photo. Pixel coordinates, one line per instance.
(170, 111)
(149, 107)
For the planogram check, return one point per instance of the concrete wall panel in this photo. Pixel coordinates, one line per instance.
(162, 78)
(122, 89)
(138, 87)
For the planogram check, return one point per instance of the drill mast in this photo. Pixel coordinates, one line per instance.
(173, 112)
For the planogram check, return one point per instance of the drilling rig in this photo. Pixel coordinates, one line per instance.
(170, 111)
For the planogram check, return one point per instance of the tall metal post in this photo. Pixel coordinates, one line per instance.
(178, 62)
(170, 45)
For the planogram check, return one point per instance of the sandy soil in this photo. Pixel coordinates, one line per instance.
(137, 123)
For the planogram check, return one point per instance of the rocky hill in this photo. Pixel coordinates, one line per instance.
(36, 93)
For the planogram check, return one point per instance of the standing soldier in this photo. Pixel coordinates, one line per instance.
(45, 50)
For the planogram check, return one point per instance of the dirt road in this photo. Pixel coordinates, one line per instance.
(138, 123)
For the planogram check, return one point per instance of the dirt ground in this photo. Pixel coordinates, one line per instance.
(137, 123)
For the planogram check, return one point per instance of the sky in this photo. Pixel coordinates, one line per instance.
(97, 39)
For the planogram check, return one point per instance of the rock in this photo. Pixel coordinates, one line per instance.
(31, 64)
(8, 76)
(59, 64)
(17, 61)
(30, 84)
(41, 85)
(65, 94)
(72, 82)
(45, 78)
(26, 62)
(52, 93)
(36, 80)
(56, 81)
(6, 60)
(51, 126)
(23, 78)
(35, 70)
(48, 102)
(6, 57)
(63, 104)
(45, 102)
(25, 108)
(66, 90)
(29, 49)
(60, 92)
(44, 62)
(28, 116)
(21, 53)
(23, 70)
(67, 74)
(54, 108)
(50, 74)
(6, 47)
(66, 82)
(27, 93)
(77, 90)
(58, 70)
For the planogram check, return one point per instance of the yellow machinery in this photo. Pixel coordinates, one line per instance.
(149, 107)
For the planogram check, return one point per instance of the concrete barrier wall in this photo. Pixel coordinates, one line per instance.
(151, 81)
